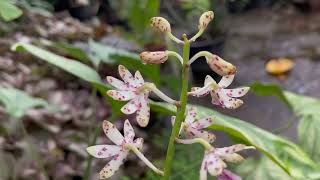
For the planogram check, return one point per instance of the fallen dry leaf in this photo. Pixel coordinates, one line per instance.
(279, 66)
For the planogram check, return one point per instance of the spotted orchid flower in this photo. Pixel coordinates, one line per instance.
(135, 90)
(213, 162)
(193, 128)
(118, 152)
(226, 98)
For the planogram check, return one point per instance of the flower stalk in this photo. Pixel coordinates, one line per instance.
(144, 159)
(180, 110)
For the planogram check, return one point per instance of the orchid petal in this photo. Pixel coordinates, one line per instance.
(104, 151)
(143, 114)
(132, 106)
(139, 78)
(121, 95)
(203, 123)
(208, 80)
(228, 102)
(228, 175)
(237, 92)
(196, 133)
(231, 149)
(126, 76)
(128, 132)
(214, 165)
(191, 114)
(233, 158)
(112, 133)
(199, 92)
(226, 81)
(113, 165)
(203, 170)
(117, 83)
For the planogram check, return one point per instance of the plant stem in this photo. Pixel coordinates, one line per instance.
(180, 110)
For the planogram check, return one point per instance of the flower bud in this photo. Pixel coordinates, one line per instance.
(220, 66)
(205, 19)
(161, 23)
(156, 57)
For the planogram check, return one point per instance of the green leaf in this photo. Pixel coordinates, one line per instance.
(308, 110)
(262, 169)
(269, 90)
(9, 11)
(72, 51)
(17, 102)
(74, 67)
(290, 157)
(110, 55)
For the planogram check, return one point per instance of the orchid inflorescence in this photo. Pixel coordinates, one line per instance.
(187, 128)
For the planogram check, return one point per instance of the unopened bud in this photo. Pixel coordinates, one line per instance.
(205, 19)
(220, 66)
(156, 57)
(161, 23)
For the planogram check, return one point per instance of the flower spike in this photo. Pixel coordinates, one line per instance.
(135, 90)
(225, 98)
(193, 128)
(120, 151)
(164, 26)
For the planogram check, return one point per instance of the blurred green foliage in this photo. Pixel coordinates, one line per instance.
(9, 11)
(17, 102)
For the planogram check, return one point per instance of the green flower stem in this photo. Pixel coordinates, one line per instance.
(180, 110)
(198, 55)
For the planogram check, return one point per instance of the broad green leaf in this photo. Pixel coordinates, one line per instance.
(290, 157)
(8, 10)
(269, 90)
(17, 102)
(74, 67)
(262, 169)
(308, 110)
(111, 55)
(72, 51)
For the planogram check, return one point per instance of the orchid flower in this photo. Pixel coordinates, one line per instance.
(193, 128)
(225, 98)
(120, 150)
(135, 90)
(213, 160)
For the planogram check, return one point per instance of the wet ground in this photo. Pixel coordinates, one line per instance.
(258, 36)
